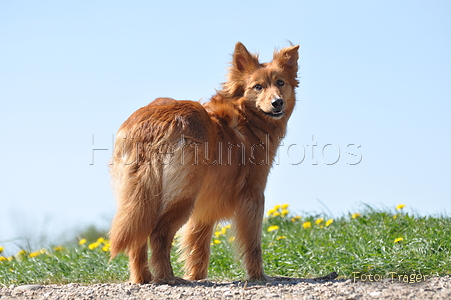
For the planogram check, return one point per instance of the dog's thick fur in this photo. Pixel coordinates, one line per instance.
(178, 162)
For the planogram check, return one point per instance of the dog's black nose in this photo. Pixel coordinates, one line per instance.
(277, 103)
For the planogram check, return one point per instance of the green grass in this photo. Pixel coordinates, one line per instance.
(372, 242)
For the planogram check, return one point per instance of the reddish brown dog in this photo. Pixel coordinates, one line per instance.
(178, 162)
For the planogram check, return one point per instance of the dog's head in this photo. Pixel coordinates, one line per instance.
(266, 87)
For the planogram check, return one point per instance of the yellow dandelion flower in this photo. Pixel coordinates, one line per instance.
(223, 230)
(277, 207)
(82, 241)
(216, 241)
(106, 248)
(2, 258)
(285, 206)
(355, 215)
(295, 218)
(284, 212)
(395, 216)
(228, 226)
(58, 248)
(93, 245)
(34, 254)
(271, 211)
(398, 240)
(281, 237)
(400, 206)
(232, 238)
(328, 222)
(217, 233)
(307, 225)
(276, 214)
(100, 240)
(2, 249)
(272, 228)
(21, 253)
(319, 221)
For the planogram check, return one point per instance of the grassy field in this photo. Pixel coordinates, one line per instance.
(370, 242)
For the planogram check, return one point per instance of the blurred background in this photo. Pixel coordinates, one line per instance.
(372, 122)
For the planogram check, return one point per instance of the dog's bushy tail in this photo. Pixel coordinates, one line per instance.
(137, 189)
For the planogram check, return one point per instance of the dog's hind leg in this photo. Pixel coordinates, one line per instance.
(174, 216)
(195, 245)
(180, 185)
(139, 267)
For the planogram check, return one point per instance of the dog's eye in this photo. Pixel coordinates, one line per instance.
(280, 82)
(258, 87)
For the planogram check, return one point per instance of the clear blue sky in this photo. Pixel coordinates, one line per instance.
(375, 74)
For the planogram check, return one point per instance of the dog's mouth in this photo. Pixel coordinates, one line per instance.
(275, 114)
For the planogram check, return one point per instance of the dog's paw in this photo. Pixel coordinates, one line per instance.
(141, 279)
(279, 278)
(260, 279)
(172, 281)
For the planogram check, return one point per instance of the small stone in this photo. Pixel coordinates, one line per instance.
(272, 296)
(46, 295)
(228, 294)
(89, 292)
(375, 294)
(29, 287)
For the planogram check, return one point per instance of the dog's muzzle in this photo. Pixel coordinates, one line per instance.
(277, 110)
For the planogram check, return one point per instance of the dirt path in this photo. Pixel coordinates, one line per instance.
(434, 288)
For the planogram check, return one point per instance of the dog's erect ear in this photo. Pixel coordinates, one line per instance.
(243, 60)
(288, 58)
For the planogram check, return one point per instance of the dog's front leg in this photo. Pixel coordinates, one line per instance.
(249, 218)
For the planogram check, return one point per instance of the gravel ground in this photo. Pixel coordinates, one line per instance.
(281, 288)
